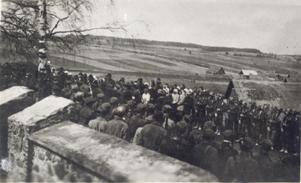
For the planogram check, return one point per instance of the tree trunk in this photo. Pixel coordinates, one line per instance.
(42, 28)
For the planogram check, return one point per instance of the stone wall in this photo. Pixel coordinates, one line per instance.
(49, 111)
(12, 100)
(47, 166)
(108, 157)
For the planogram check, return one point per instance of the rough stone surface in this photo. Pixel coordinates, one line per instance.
(53, 168)
(114, 158)
(49, 111)
(43, 109)
(13, 93)
(12, 100)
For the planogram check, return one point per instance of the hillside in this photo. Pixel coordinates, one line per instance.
(186, 63)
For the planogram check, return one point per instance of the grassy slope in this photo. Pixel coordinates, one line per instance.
(178, 62)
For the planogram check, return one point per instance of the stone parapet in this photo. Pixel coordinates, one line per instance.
(49, 111)
(12, 100)
(106, 157)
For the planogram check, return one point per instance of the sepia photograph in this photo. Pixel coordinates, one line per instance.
(150, 90)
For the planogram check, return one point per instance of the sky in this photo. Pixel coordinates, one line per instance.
(269, 25)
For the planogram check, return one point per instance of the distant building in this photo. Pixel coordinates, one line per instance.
(247, 73)
(282, 76)
(216, 70)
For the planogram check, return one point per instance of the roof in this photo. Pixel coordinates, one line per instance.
(248, 72)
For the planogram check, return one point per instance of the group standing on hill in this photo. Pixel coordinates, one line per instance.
(234, 140)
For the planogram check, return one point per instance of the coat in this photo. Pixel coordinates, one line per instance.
(247, 168)
(152, 136)
(116, 127)
(98, 124)
(205, 155)
(135, 122)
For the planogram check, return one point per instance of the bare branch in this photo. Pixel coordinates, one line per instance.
(88, 30)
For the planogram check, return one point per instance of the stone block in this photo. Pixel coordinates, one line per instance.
(112, 158)
(49, 111)
(58, 169)
(12, 100)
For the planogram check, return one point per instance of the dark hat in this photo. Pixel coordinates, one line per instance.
(130, 103)
(266, 144)
(158, 116)
(105, 107)
(89, 100)
(86, 112)
(113, 100)
(140, 108)
(187, 117)
(246, 144)
(150, 106)
(181, 125)
(208, 134)
(228, 134)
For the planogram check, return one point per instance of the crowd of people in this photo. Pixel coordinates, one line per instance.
(235, 140)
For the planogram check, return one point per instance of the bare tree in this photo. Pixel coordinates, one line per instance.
(28, 25)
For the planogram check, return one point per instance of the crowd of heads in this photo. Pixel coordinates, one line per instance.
(222, 135)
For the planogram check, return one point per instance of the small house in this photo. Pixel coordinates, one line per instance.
(247, 73)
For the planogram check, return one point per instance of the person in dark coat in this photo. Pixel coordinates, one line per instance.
(227, 152)
(152, 134)
(117, 127)
(266, 165)
(205, 154)
(246, 168)
(137, 120)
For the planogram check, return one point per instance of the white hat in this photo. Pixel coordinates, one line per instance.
(42, 50)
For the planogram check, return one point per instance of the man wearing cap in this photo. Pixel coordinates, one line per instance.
(137, 120)
(226, 153)
(189, 103)
(205, 154)
(265, 162)
(100, 122)
(246, 167)
(152, 134)
(86, 114)
(117, 126)
(168, 123)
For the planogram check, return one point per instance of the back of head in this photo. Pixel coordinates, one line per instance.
(140, 108)
(114, 101)
(104, 109)
(228, 135)
(208, 134)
